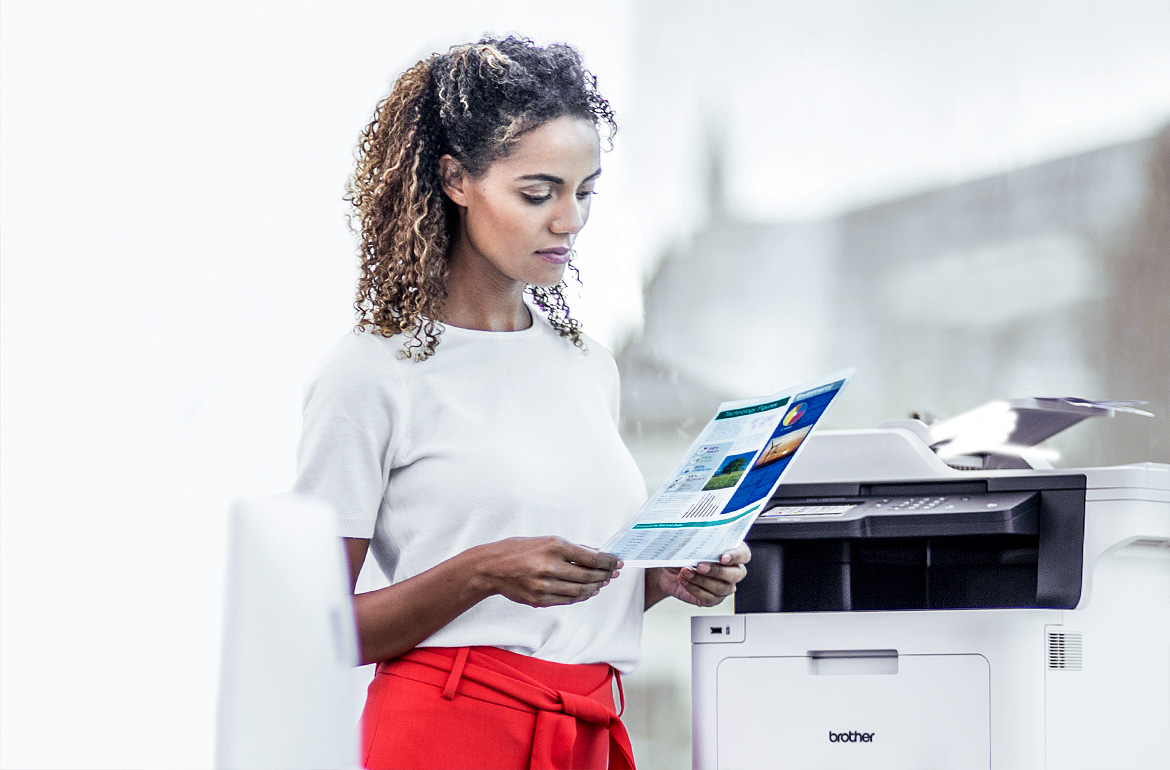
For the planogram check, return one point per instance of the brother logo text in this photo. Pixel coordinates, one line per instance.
(850, 737)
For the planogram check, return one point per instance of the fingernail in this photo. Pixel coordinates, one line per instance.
(703, 567)
(725, 558)
(620, 564)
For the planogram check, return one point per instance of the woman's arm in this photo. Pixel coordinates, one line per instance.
(705, 584)
(537, 571)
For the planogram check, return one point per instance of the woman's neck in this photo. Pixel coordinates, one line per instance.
(488, 319)
(479, 300)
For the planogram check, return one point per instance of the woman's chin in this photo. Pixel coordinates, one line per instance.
(549, 277)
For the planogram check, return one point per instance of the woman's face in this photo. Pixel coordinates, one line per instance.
(520, 218)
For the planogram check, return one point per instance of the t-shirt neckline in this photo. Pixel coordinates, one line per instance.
(533, 328)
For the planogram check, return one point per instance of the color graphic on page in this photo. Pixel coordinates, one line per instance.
(782, 447)
(715, 492)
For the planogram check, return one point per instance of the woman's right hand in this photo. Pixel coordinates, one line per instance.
(544, 571)
(537, 571)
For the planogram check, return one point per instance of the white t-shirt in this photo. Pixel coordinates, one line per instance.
(497, 435)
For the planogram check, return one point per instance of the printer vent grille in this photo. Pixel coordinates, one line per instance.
(1064, 651)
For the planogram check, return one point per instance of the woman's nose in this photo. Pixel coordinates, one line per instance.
(570, 218)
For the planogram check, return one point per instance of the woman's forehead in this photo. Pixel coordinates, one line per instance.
(564, 147)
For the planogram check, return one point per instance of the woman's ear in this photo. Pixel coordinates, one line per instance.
(452, 178)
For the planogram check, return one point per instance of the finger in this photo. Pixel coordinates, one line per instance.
(560, 567)
(563, 592)
(720, 583)
(741, 554)
(702, 593)
(731, 574)
(575, 573)
(553, 600)
(590, 557)
(571, 578)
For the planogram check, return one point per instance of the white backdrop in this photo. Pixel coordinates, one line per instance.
(175, 263)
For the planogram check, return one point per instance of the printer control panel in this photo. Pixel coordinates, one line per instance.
(895, 505)
(994, 512)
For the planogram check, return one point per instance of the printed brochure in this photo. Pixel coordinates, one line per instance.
(711, 498)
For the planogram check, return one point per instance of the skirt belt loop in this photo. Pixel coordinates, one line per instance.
(456, 672)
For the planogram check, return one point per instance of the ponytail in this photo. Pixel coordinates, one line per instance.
(404, 227)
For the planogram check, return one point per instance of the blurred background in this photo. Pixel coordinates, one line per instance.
(967, 201)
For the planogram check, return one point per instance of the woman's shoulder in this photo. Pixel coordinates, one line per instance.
(364, 348)
(358, 359)
(590, 355)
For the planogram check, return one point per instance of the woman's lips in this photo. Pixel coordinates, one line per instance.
(557, 256)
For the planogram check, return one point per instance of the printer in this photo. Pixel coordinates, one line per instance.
(904, 609)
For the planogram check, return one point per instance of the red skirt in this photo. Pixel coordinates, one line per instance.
(482, 707)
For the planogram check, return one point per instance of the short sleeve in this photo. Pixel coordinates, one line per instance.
(348, 439)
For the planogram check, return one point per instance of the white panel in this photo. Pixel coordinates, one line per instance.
(933, 713)
(1114, 711)
(289, 641)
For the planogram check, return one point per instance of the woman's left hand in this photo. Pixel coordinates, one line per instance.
(706, 584)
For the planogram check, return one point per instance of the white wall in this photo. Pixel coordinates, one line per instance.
(175, 263)
(830, 105)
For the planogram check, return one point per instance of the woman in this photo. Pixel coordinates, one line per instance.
(470, 441)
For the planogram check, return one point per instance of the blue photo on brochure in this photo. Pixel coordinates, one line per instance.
(797, 423)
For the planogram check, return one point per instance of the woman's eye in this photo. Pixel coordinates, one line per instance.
(536, 198)
(583, 194)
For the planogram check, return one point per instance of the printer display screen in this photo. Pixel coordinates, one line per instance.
(807, 510)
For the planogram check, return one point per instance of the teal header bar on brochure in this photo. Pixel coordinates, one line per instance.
(753, 409)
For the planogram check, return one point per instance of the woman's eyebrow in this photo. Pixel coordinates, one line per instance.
(553, 179)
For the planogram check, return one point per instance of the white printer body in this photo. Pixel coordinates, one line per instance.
(899, 613)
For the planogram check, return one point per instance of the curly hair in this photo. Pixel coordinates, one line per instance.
(473, 103)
